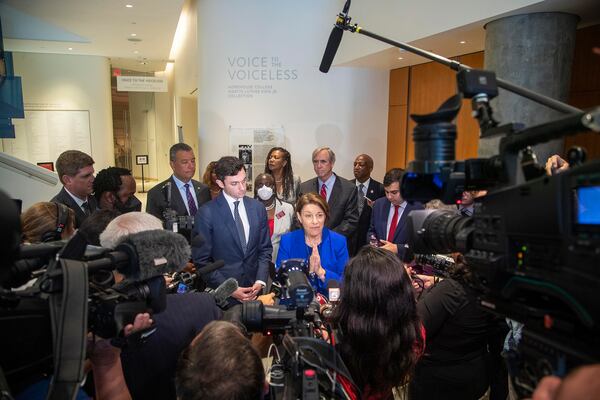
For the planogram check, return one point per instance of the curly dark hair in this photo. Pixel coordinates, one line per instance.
(288, 173)
(109, 180)
(228, 166)
(377, 314)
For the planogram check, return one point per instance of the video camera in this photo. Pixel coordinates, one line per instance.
(533, 246)
(308, 363)
(55, 293)
(183, 224)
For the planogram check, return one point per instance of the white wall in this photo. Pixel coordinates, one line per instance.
(345, 109)
(64, 82)
(69, 82)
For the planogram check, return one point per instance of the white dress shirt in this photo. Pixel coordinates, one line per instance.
(241, 210)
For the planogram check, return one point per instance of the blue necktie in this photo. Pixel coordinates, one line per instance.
(190, 200)
(239, 225)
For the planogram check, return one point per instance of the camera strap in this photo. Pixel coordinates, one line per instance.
(68, 313)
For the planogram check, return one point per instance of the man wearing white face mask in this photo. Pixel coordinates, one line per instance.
(279, 213)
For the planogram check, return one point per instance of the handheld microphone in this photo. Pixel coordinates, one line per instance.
(333, 288)
(222, 293)
(208, 268)
(335, 39)
(152, 253)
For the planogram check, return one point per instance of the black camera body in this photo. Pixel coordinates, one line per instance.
(533, 246)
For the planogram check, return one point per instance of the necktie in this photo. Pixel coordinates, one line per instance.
(85, 207)
(361, 197)
(323, 192)
(393, 225)
(190, 200)
(239, 225)
(466, 212)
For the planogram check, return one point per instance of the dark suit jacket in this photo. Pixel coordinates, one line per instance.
(374, 192)
(343, 209)
(378, 226)
(219, 240)
(149, 367)
(64, 198)
(157, 201)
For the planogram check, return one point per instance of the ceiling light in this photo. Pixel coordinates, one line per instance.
(400, 58)
(462, 42)
(128, 6)
(70, 48)
(135, 52)
(134, 34)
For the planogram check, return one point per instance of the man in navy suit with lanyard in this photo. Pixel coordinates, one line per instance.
(388, 220)
(233, 228)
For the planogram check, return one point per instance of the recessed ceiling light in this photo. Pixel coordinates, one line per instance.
(128, 5)
(135, 52)
(70, 48)
(463, 42)
(400, 58)
(134, 34)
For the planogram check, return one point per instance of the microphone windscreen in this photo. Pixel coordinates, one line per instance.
(225, 290)
(158, 252)
(332, 45)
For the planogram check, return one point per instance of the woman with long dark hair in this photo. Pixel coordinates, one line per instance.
(454, 365)
(380, 335)
(279, 164)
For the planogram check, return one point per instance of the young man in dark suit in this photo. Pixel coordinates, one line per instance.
(76, 172)
(233, 228)
(368, 190)
(388, 220)
(339, 193)
(180, 192)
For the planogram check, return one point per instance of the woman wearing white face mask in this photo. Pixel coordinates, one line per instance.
(279, 212)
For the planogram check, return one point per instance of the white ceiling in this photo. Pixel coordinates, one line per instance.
(448, 43)
(94, 27)
(105, 27)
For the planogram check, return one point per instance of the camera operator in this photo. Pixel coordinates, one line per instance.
(149, 367)
(454, 364)
(220, 363)
(380, 335)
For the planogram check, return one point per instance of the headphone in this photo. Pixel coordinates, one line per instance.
(62, 213)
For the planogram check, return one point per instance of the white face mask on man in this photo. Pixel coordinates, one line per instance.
(264, 192)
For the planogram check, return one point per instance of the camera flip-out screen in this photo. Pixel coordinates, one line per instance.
(588, 205)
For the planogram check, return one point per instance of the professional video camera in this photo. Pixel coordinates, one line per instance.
(47, 320)
(309, 364)
(534, 246)
(183, 224)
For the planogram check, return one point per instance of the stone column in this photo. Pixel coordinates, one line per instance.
(534, 51)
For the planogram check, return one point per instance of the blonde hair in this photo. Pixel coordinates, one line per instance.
(42, 218)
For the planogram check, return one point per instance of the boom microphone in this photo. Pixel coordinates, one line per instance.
(334, 40)
(153, 253)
